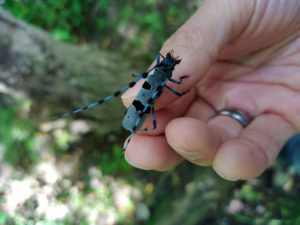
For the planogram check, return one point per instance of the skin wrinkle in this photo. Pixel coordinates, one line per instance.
(279, 49)
(257, 146)
(246, 82)
(223, 72)
(240, 31)
(295, 64)
(245, 74)
(291, 84)
(261, 56)
(292, 11)
(192, 156)
(220, 36)
(287, 115)
(206, 112)
(288, 51)
(257, 152)
(257, 21)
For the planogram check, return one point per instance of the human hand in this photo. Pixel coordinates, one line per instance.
(242, 55)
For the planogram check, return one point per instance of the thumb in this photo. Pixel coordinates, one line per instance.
(199, 41)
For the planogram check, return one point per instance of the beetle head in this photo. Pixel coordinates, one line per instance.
(169, 62)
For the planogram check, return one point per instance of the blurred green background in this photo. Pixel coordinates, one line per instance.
(48, 177)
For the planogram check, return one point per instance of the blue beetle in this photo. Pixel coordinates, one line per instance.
(155, 81)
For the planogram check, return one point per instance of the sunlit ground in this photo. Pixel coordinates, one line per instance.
(47, 194)
(41, 184)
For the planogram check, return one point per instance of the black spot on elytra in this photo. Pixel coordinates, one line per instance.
(138, 105)
(146, 85)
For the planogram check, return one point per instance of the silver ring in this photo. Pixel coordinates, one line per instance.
(237, 115)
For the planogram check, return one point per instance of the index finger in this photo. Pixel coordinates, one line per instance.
(198, 43)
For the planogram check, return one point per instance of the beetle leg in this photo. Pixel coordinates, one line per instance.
(180, 79)
(175, 92)
(154, 121)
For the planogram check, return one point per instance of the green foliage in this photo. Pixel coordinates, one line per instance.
(3, 218)
(263, 205)
(17, 137)
(141, 24)
(113, 162)
(248, 193)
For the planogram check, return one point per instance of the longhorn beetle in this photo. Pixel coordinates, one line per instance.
(156, 80)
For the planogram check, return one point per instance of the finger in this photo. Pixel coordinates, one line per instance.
(254, 150)
(151, 153)
(192, 139)
(169, 158)
(198, 141)
(199, 41)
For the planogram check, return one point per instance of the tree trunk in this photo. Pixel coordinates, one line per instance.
(57, 76)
